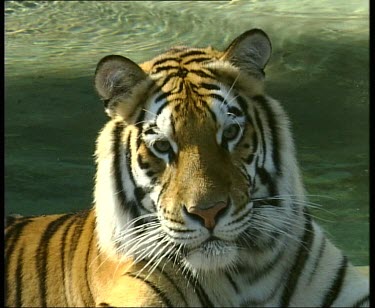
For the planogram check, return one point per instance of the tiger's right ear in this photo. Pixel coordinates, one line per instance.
(116, 77)
(250, 52)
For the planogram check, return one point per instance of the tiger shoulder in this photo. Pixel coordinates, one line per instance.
(198, 198)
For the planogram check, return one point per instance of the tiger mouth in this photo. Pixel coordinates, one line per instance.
(213, 246)
(211, 255)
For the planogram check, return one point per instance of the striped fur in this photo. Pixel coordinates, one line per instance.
(198, 198)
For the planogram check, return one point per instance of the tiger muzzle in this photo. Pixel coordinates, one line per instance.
(209, 215)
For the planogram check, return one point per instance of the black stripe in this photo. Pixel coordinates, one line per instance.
(131, 206)
(192, 53)
(159, 292)
(181, 230)
(237, 112)
(255, 142)
(12, 236)
(180, 88)
(318, 258)
(260, 273)
(299, 263)
(42, 253)
(198, 60)
(232, 282)
(218, 97)
(250, 121)
(139, 193)
(161, 61)
(164, 68)
(201, 73)
(62, 252)
(19, 287)
(209, 86)
(138, 140)
(254, 187)
(167, 78)
(246, 175)
(162, 96)
(172, 282)
(335, 288)
(241, 101)
(13, 233)
(239, 219)
(266, 179)
(260, 127)
(139, 121)
(150, 130)
(73, 244)
(173, 124)
(203, 297)
(362, 301)
(160, 109)
(128, 161)
(116, 150)
(274, 130)
(91, 300)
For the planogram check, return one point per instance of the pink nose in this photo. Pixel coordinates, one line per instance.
(208, 215)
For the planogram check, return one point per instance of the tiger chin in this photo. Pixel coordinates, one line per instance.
(198, 198)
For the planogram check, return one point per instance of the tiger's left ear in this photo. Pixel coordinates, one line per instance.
(116, 80)
(250, 52)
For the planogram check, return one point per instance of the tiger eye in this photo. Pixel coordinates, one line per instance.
(162, 146)
(231, 132)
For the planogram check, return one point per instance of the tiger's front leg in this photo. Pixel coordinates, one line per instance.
(132, 291)
(133, 286)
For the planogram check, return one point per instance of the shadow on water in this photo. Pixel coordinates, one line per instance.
(51, 123)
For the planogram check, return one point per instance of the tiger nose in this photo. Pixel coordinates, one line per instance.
(208, 214)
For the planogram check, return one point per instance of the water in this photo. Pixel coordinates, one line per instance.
(319, 70)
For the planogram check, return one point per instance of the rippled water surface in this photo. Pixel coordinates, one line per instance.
(318, 70)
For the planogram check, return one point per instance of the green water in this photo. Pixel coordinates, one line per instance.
(319, 70)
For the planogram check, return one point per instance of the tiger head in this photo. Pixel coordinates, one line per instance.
(193, 151)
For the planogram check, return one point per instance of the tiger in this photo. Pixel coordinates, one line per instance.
(198, 198)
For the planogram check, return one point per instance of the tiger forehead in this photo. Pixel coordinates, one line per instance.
(184, 57)
(178, 62)
(181, 73)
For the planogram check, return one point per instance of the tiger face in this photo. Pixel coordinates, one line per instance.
(200, 205)
(188, 155)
